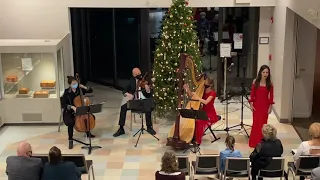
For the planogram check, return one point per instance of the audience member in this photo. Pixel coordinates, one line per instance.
(269, 147)
(169, 168)
(315, 174)
(311, 147)
(56, 169)
(228, 152)
(23, 166)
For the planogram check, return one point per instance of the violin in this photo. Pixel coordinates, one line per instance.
(83, 123)
(142, 83)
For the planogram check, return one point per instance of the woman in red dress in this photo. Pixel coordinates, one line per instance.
(261, 100)
(207, 100)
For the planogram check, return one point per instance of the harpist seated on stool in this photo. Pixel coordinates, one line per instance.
(131, 91)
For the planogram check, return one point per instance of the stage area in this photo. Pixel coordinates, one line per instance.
(119, 159)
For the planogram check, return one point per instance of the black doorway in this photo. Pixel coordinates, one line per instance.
(108, 43)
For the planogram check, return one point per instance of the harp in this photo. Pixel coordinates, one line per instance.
(182, 132)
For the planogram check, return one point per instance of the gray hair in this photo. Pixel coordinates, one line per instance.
(269, 132)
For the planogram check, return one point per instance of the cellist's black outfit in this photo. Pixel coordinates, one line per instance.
(68, 113)
(132, 88)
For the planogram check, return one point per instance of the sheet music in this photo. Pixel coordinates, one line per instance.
(127, 98)
(141, 96)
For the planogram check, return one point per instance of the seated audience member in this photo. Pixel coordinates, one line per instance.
(169, 168)
(269, 147)
(315, 174)
(56, 169)
(311, 147)
(228, 152)
(23, 166)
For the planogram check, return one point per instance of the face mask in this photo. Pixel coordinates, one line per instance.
(206, 86)
(74, 86)
(139, 77)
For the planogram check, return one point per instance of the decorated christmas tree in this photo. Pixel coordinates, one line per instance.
(178, 36)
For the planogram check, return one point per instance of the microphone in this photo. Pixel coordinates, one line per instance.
(229, 68)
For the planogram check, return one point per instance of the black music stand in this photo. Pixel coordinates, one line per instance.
(143, 106)
(87, 110)
(243, 83)
(194, 114)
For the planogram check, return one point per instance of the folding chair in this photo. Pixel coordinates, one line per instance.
(274, 170)
(184, 164)
(205, 165)
(236, 168)
(303, 166)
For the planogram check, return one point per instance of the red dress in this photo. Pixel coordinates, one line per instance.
(201, 125)
(262, 99)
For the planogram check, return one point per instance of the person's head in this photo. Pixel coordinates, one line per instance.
(55, 155)
(209, 84)
(72, 81)
(24, 149)
(136, 73)
(230, 142)
(169, 162)
(314, 131)
(202, 15)
(269, 132)
(265, 75)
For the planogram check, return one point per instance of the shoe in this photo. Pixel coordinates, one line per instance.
(151, 131)
(119, 132)
(91, 135)
(70, 144)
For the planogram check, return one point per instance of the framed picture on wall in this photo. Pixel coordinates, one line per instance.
(264, 40)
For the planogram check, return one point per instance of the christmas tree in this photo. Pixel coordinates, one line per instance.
(178, 36)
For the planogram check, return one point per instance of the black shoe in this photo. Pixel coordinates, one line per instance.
(119, 132)
(91, 135)
(151, 131)
(70, 144)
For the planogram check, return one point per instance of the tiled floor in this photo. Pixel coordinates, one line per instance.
(119, 159)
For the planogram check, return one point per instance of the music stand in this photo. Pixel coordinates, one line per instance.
(143, 106)
(87, 110)
(243, 83)
(196, 115)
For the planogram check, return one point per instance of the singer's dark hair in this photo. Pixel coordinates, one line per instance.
(70, 79)
(259, 76)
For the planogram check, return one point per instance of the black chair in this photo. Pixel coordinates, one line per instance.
(205, 165)
(184, 164)
(274, 170)
(236, 168)
(303, 166)
(86, 166)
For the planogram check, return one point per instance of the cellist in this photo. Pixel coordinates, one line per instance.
(68, 107)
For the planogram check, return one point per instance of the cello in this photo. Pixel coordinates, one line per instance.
(182, 132)
(83, 123)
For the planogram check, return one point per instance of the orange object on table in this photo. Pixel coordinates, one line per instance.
(12, 78)
(48, 84)
(41, 94)
(24, 91)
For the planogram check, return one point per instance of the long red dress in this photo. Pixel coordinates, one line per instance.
(201, 125)
(262, 99)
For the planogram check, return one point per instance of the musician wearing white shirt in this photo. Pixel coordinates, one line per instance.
(134, 91)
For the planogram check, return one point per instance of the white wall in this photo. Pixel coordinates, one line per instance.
(282, 63)
(303, 83)
(49, 19)
(302, 8)
(264, 31)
